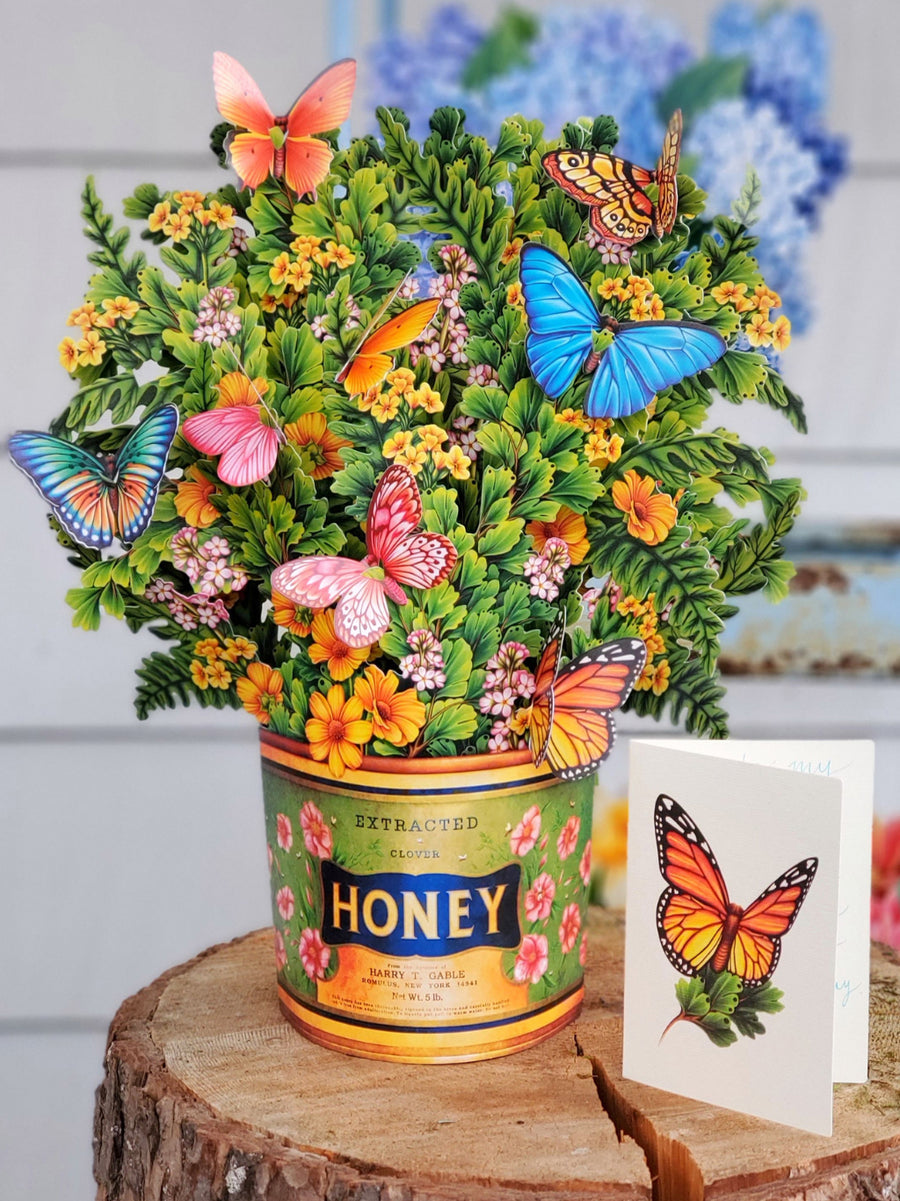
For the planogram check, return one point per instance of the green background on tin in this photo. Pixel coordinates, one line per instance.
(464, 852)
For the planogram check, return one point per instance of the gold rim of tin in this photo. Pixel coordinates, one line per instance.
(389, 765)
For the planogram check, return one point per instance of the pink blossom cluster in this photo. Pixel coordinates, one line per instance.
(464, 436)
(425, 666)
(483, 374)
(214, 323)
(190, 612)
(447, 343)
(610, 252)
(239, 243)
(206, 565)
(506, 680)
(547, 570)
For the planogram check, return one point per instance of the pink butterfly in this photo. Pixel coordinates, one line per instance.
(237, 432)
(397, 556)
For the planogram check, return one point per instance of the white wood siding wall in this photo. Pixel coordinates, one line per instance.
(125, 848)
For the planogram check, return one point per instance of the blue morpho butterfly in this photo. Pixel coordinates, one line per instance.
(97, 498)
(643, 358)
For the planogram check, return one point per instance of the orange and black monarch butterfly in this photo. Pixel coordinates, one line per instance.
(697, 922)
(571, 723)
(621, 212)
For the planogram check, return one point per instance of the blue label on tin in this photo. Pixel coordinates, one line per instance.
(429, 915)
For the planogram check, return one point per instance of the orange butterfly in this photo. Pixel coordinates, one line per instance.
(282, 146)
(571, 723)
(697, 922)
(621, 212)
(368, 365)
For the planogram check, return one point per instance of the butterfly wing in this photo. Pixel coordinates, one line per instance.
(621, 210)
(325, 104)
(690, 915)
(139, 470)
(756, 948)
(238, 97)
(306, 163)
(562, 319)
(645, 357)
(253, 157)
(248, 447)
(541, 719)
(369, 364)
(72, 481)
(666, 175)
(585, 692)
(362, 614)
(317, 581)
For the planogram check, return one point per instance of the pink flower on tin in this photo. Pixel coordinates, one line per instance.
(532, 960)
(284, 835)
(582, 950)
(280, 952)
(284, 899)
(568, 837)
(527, 832)
(584, 867)
(539, 898)
(569, 928)
(314, 955)
(316, 834)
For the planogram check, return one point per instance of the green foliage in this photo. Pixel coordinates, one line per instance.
(723, 1007)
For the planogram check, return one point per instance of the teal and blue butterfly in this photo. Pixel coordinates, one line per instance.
(100, 497)
(643, 358)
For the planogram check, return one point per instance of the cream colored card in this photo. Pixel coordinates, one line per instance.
(732, 930)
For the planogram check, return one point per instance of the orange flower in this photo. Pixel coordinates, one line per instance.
(566, 525)
(336, 730)
(68, 354)
(661, 673)
(236, 389)
(342, 660)
(728, 292)
(260, 689)
(759, 330)
(397, 717)
(781, 334)
(650, 514)
(321, 453)
(296, 619)
(511, 250)
(192, 499)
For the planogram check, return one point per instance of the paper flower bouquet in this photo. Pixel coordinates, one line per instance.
(363, 492)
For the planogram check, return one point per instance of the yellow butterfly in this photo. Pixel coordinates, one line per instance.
(621, 211)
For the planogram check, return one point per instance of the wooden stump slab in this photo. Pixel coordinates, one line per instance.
(209, 1094)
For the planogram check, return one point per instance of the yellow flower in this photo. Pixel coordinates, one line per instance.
(68, 354)
(279, 269)
(759, 330)
(339, 254)
(453, 460)
(397, 717)
(299, 275)
(638, 286)
(631, 604)
(192, 498)
(425, 397)
(781, 334)
(296, 619)
(268, 303)
(221, 214)
(218, 674)
(320, 449)
(648, 625)
(200, 675)
(121, 307)
(304, 246)
(85, 316)
(639, 310)
(91, 348)
(574, 417)
(644, 682)
(386, 407)
(159, 216)
(238, 648)
(661, 673)
(235, 388)
(413, 457)
(657, 308)
(178, 226)
(340, 659)
(614, 451)
(515, 296)
(650, 515)
(321, 258)
(611, 289)
(189, 201)
(766, 299)
(432, 436)
(728, 292)
(260, 689)
(655, 646)
(596, 448)
(336, 730)
(366, 400)
(209, 649)
(511, 250)
(567, 525)
(287, 300)
(396, 443)
(401, 380)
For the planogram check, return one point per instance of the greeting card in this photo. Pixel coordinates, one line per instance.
(747, 939)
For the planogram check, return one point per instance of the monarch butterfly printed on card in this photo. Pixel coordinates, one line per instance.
(621, 212)
(571, 724)
(697, 922)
